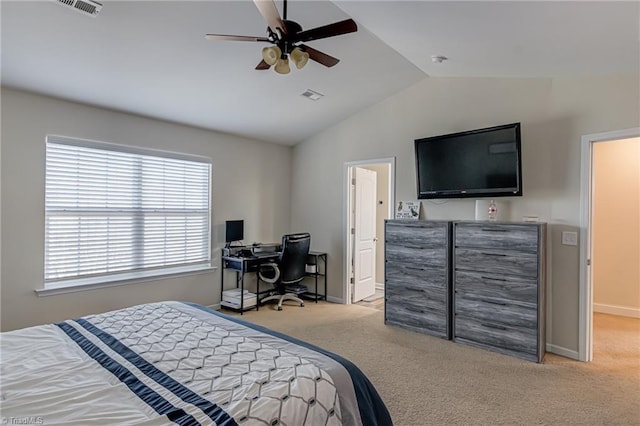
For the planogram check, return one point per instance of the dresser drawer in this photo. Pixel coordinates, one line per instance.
(514, 341)
(514, 237)
(497, 262)
(416, 256)
(500, 288)
(416, 233)
(418, 276)
(420, 296)
(430, 320)
(494, 310)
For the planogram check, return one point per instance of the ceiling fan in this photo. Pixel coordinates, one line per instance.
(288, 38)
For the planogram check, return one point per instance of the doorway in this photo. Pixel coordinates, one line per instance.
(610, 232)
(364, 213)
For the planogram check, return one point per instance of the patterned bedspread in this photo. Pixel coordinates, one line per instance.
(177, 363)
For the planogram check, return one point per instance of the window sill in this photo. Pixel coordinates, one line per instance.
(83, 284)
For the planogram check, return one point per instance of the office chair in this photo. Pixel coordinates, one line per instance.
(290, 268)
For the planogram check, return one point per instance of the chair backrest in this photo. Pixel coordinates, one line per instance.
(295, 249)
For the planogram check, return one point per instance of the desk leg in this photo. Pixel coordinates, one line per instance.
(316, 276)
(242, 293)
(324, 259)
(221, 282)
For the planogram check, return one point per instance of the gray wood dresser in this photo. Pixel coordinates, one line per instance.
(417, 279)
(478, 283)
(499, 287)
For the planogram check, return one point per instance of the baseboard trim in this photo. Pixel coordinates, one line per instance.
(335, 300)
(380, 286)
(559, 350)
(623, 311)
(215, 307)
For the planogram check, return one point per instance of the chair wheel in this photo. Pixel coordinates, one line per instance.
(279, 308)
(302, 305)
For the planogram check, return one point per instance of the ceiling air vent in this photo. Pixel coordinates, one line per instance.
(312, 94)
(86, 7)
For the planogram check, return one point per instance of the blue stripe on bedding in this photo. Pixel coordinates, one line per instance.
(215, 413)
(145, 393)
(375, 415)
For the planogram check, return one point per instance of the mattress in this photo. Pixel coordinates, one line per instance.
(177, 363)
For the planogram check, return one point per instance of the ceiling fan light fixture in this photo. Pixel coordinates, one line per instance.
(282, 66)
(271, 54)
(299, 57)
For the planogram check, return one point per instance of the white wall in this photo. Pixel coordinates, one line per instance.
(554, 114)
(251, 181)
(616, 221)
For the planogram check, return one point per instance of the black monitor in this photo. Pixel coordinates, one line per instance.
(234, 231)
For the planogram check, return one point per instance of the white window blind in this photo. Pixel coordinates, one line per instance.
(112, 209)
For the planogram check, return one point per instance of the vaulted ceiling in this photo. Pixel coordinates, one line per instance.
(151, 57)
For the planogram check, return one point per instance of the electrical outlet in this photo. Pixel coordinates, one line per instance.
(569, 238)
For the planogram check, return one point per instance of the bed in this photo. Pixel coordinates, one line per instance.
(178, 363)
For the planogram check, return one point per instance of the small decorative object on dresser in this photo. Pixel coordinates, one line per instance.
(408, 210)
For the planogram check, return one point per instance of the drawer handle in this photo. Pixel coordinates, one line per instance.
(417, 247)
(494, 254)
(495, 303)
(493, 230)
(417, 290)
(414, 268)
(493, 279)
(417, 311)
(499, 327)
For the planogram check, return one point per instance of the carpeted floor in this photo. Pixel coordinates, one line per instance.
(425, 380)
(376, 301)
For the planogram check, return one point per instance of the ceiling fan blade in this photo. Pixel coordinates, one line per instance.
(337, 28)
(226, 37)
(269, 12)
(318, 56)
(263, 65)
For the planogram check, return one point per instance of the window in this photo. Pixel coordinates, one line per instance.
(112, 211)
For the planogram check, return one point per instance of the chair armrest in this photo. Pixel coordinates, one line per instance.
(269, 273)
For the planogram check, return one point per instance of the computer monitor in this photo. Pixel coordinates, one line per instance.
(234, 231)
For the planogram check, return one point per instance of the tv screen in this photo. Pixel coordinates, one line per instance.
(234, 231)
(471, 164)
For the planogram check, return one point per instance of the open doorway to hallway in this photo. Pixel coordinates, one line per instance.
(610, 247)
(615, 250)
(366, 209)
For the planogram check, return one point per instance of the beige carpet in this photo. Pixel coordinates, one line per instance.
(425, 380)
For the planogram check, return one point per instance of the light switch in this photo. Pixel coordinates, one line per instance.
(569, 238)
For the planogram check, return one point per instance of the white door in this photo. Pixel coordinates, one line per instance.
(364, 253)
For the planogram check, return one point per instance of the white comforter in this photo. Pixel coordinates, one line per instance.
(166, 363)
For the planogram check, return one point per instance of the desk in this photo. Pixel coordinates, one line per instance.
(243, 265)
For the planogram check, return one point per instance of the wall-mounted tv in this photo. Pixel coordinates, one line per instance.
(472, 164)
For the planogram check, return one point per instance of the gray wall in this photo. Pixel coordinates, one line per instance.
(554, 113)
(250, 181)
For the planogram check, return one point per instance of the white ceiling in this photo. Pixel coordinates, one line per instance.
(151, 58)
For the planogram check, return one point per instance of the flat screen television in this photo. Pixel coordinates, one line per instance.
(234, 231)
(472, 164)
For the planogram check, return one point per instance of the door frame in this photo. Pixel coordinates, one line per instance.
(585, 306)
(346, 214)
